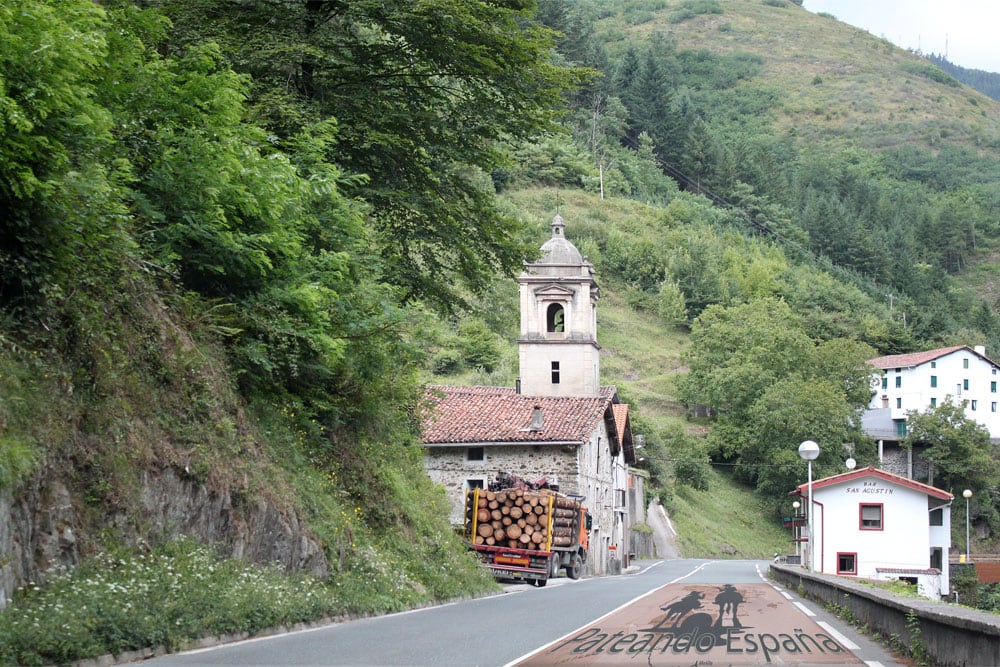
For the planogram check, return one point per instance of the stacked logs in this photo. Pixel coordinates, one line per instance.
(519, 518)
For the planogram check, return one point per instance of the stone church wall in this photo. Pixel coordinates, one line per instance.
(451, 467)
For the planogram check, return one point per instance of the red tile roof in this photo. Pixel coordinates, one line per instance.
(916, 358)
(624, 425)
(459, 415)
(871, 471)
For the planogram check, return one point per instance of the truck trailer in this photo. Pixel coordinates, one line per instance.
(527, 534)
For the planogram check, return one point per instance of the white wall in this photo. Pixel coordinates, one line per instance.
(915, 391)
(905, 539)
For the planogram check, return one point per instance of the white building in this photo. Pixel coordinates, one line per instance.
(558, 423)
(921, 380)
(873, 524)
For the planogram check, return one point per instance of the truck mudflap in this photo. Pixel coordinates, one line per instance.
(517, 564)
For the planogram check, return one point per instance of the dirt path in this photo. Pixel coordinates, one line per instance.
(664, 536)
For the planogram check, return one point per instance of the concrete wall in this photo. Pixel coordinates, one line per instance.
(950, 635)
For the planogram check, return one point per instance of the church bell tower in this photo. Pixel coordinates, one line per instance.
(558, 350)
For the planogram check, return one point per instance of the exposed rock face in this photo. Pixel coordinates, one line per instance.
(40, 527)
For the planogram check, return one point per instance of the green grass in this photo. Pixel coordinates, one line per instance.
(116, 603)
(727, 520)
(181, 592)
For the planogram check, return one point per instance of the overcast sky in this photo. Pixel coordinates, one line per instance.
(967, 31)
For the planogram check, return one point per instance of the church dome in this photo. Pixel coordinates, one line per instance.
(558, 249)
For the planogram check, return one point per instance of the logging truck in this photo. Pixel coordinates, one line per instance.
(527, 534)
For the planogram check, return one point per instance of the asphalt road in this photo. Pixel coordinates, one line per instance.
(673, 612)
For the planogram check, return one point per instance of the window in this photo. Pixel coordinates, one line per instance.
(475, 484)
(475, 454)
(936, 517)
(974, 404)
(993, 387)
(871, 517)
(965, 384)
(847, 563)
(555, 318)
(899, 401)
(555, 372)
(899, 381)
(993, 406)
(933, 402)
(885, 382)
(901, 428)
(937, 558)
(934, 380)
(965, 363)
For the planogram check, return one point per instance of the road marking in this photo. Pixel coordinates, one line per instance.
(680, 624)
(847, 643)
(874, 663)
(804, 609)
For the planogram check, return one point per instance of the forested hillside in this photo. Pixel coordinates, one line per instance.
(237, 237)
(988, 83)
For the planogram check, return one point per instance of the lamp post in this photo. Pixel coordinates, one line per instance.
(809, 451)
(795, 530)
(967, 494)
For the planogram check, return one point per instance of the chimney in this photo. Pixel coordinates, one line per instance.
(536, 419)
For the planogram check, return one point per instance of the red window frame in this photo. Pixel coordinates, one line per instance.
(853, 555)
(881, 516)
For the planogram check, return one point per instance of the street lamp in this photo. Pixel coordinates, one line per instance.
(967, 494)
(795, 530)
(809, 451)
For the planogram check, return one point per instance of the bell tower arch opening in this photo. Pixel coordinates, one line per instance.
(555, 318)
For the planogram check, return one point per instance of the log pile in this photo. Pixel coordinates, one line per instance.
(521, 518)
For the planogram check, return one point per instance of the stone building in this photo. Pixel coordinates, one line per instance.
(558, 422)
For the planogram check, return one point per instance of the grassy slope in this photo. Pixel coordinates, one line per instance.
(841, 84)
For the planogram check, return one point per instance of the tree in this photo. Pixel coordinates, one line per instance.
(670, 304)
(425, 96)
(61, 219)
(773, 387)
(737, 352)
(957, 447)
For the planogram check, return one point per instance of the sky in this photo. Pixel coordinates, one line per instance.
(966, 31)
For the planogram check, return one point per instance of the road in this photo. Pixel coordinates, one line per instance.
(680, 612)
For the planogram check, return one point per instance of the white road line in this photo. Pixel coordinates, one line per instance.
(844, 641)
(874, 663)
(804, 609)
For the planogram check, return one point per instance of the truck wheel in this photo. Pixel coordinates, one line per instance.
(541, 582)
(575, 567)
(554, 565)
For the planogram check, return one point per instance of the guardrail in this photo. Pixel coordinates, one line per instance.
(947, 633)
